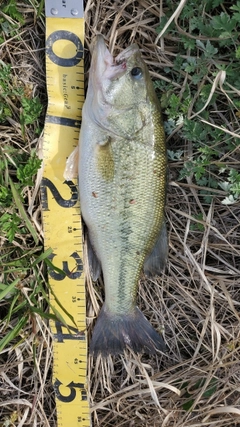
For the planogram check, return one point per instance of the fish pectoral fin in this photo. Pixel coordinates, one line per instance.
(71, 168)
(94, 263)
(104, 159)
(104, 141)
(156, 261)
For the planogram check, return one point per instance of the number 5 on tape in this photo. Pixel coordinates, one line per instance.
(61, 214)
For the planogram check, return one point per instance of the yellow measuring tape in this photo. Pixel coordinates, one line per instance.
(61, 214)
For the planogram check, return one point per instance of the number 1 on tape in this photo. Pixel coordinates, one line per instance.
(61, 214)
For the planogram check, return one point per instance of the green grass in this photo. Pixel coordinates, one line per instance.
(207, 69)
(19, 165)
(20, 111)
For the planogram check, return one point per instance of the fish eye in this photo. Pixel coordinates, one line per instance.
(136, 72)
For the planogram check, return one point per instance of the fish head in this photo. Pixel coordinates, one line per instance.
(117, 88)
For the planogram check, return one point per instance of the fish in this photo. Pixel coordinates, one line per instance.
(122, 184)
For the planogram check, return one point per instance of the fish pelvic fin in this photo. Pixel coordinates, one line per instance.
(114, 333)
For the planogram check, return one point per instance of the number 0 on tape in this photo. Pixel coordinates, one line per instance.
(61, 214)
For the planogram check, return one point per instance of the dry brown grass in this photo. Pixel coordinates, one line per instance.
(196, 302)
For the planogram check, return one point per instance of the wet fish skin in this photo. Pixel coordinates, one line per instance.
(122, 181)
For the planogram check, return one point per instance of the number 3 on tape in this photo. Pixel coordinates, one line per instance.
(61, 210)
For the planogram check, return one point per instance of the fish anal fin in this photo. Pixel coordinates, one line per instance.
(94, 263)
(156, 260)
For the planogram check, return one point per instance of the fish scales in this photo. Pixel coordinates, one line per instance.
(122, 179)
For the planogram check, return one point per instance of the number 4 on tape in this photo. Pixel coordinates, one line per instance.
(61, 211)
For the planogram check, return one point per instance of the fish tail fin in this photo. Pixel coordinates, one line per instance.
(114, 333)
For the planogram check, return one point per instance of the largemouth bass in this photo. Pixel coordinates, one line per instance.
(122, 182)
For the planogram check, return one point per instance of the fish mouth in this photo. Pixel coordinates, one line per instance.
(104, 65)
(127, 53)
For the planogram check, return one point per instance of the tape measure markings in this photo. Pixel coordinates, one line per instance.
(61, 211)
(63, 121)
